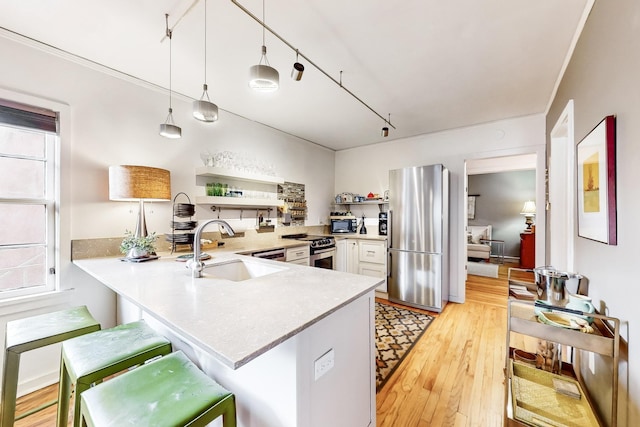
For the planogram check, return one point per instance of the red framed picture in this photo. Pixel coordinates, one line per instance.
(596, 164)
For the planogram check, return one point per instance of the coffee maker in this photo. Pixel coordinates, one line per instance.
(382, 223)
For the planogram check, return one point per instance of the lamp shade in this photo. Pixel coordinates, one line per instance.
(529, 208)
(127, 182)
(263, 78)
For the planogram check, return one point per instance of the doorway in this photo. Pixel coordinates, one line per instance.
(562, 189)
(498, 165)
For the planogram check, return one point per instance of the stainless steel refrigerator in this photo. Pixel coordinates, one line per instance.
(419, 234)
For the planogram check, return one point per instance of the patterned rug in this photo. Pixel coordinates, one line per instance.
(397, 330)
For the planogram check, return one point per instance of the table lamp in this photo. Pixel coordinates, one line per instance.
(529, 211)
(139, 183)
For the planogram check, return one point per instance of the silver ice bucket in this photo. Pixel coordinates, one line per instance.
(551, 285)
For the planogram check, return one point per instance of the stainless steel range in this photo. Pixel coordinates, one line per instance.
(322, 249)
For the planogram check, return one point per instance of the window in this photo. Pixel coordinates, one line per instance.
(28, 200)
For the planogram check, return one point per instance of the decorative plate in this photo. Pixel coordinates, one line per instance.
(562, 320)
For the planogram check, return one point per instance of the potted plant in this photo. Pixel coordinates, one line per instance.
(138, 247)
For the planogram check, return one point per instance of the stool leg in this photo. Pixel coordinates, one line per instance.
(80, 387)
(229, 415)
(64, 395)
(9, 388)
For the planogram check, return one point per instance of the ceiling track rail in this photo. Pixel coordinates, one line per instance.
(316, 66)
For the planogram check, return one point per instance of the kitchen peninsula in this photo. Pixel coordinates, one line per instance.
(294, 343)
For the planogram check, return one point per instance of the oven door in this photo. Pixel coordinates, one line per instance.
(324, 258)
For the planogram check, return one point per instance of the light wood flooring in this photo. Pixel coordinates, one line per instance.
(453, 376)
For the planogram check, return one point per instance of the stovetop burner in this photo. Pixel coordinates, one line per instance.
(317, 242)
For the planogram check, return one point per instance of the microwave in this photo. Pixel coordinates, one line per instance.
(343, 224)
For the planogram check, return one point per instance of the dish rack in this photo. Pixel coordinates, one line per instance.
(181, 230)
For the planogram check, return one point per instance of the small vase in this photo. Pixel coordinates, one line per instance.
(137, 253)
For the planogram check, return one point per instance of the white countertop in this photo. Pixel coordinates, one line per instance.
(233, 321)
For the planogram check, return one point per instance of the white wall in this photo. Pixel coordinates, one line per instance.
(107, 120)
(364, 170)
(602, 79)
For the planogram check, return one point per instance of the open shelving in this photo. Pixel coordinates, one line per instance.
(203, 173)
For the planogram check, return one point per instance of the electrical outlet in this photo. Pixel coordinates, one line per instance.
(323, 364)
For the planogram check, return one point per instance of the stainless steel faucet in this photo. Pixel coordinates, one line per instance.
(196, 265)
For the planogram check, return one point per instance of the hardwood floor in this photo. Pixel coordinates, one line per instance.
(452, 377)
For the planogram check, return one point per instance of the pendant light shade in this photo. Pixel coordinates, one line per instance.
(168, 129)
(263, 77)
(203, 109)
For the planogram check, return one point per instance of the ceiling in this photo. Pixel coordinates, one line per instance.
(431, 65)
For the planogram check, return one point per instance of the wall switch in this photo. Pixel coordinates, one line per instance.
(323, 364)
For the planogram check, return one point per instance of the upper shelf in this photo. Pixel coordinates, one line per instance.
(239, 202)
(240, 176)
(366, 202)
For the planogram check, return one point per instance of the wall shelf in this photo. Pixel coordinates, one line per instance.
(221, 174)
(236, 175)
(240, 202)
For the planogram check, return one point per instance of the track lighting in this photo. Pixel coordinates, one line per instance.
(385, 129)
(168, 129)
(263, 77)
(203, 109)
(297, 70)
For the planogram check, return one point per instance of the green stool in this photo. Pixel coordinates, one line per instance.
(170, 391)
(93, 357)
(34, 332)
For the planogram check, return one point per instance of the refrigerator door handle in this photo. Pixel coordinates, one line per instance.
(390, 228)
(389, 261)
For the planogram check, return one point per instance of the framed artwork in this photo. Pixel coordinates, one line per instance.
(471, 207)
(596, 164)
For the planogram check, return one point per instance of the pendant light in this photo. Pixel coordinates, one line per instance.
(203, 109)
(263, 77)
(168, 129)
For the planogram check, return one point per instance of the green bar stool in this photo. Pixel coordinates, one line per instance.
(170, 391)
(93, 357)
(33, 332)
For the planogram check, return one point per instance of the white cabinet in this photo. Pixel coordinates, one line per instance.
(372, 260)
(363, 256)
(352, 256)
(254, 184)
(341, 255)
(298, 255)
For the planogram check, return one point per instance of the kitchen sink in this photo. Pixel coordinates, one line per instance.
(238, 270)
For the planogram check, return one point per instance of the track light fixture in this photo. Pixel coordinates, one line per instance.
(297, 70)
(306, 58)
(385, 128)
(203, 109)
(168, 129)
(263, 77)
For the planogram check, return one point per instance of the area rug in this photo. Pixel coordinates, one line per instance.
(483, 269)
(397, 330)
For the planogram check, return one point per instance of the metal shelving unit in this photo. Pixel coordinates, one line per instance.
(605, 340)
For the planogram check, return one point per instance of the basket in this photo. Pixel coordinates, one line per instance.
(542, 398)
